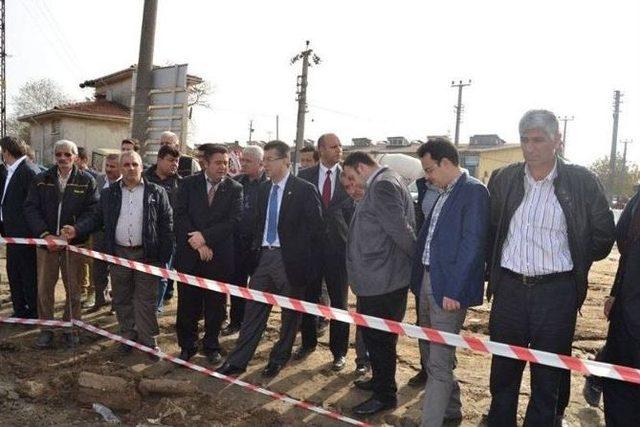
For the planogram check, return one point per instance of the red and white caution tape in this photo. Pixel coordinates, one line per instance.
(211, 373)
(584, 366)
(40, 322)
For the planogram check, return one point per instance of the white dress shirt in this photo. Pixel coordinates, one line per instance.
(323, 176)
(130, 220)
(10, 171)
(281, 184)
(537, 242)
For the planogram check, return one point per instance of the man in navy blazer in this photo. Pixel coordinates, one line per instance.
(448, 270)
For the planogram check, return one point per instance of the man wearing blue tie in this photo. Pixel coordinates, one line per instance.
(288, 228)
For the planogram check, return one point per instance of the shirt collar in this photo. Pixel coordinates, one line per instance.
(15, 164)
(210, 181)
(549, 178)
(373, 175)
(122, 184)
(453, 183)
(324, 169)
(283, 181)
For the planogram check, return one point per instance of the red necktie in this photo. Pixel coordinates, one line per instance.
(326, 190)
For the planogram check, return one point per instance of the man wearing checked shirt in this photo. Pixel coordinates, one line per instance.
(288, 230)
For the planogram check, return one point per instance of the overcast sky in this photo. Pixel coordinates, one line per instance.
(386, 66)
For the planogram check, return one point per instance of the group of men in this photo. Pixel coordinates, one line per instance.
(533, 233)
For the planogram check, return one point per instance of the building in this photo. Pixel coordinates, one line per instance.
(99, 123)
(361, 142)
(398, 141)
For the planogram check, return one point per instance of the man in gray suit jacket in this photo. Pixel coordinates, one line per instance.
(380, 247)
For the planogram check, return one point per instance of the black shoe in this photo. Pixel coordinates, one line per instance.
(124, 349)
(45, 339)
(455, 420)
(230, 330)
(213, 356)
(229, 370)
(418, 380)
(187, 353)
(592, 390)
(271, 370)
(71, 339)
(366, 385)
(339, 363)
(303, 352)
(373, 406)
(362, 368)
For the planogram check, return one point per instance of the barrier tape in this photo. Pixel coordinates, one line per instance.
(584, 366)
(21, 321)
(211, 373)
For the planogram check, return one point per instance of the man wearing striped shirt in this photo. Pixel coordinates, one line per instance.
(550, 221)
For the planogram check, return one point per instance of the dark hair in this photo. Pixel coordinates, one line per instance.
(82, 153)
(358, 158)
(13, 146)
(209, 150)
(204, 147)
(438, 149)
(167, 150)
(309, 149)
(132, 141)
(281, 147)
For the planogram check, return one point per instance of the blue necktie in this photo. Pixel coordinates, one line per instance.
(272, 224)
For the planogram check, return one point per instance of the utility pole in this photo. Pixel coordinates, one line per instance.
(458, 108)
(278, 127)
(624, 154)
(3, 74)
(614, 139)
(143, 74)
(564, 119)
(302, 99)
(251, 129)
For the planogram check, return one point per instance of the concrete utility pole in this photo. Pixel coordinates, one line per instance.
(614, 140)
(278, 127)
(302, 99)
(3, 75)
(564, 119)
(251, 129)
(458, 108)
(143, 74)
(624, 154)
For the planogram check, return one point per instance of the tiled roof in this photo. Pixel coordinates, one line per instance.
(98, 106)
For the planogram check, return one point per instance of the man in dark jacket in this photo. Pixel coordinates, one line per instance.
(21, 259)
(245, 257)
(337, 210)
(207, 212)
(63, 195)
(165, 174)
(550, 221)
(138, 225)
(622, 309)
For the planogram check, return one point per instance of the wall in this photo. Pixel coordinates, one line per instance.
(494, 159)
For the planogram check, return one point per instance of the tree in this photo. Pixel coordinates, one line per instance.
(626, 178)
(199, 95)
(33, 97)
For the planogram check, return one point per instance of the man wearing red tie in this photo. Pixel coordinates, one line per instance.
(337, 209)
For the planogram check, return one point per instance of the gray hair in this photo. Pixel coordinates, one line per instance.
(543, 120)
(254, 151)
(133, 154)
(168, 136)
(68, 144)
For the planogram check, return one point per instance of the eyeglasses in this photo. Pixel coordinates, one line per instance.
(273, 160)
(64, 154)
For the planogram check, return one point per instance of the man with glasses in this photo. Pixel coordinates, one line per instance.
(288, 226)
(62, 195)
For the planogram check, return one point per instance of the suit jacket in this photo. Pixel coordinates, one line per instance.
(337, 216)
(381, 240)
(101, 180)
(217, 223)
(300, 228)
(14, 224)
(458, 245)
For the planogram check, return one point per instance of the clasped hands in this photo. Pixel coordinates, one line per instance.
(197, 242)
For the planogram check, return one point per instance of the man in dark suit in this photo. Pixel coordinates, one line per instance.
(380, 246)
(207, 211)
(337, 210)
(288, 226)
(448, 271)
(15, 182)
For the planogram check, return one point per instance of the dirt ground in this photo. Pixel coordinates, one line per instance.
(55, 400)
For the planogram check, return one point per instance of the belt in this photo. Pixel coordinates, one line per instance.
(271, 248)
(537, 280)
(130, 247)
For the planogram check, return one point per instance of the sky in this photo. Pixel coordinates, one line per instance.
(386, 67)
